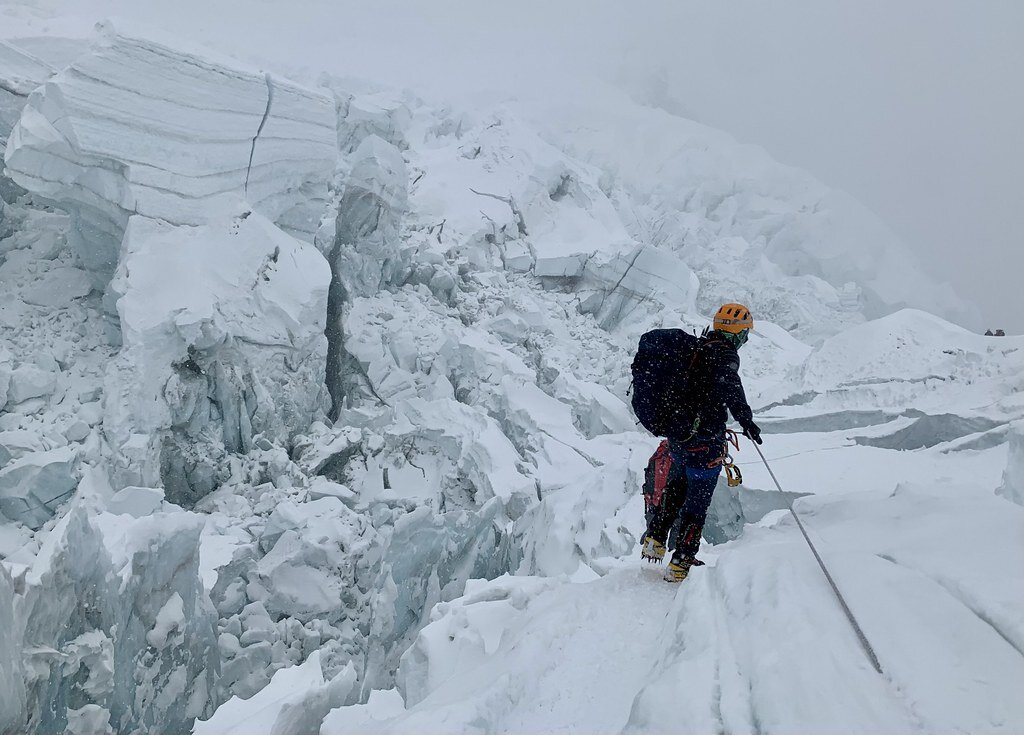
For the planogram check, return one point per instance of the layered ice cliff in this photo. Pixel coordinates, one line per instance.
(137, 127)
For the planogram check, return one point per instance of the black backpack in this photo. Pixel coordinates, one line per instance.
(662, 367)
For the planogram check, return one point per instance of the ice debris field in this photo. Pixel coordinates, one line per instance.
(314, 419)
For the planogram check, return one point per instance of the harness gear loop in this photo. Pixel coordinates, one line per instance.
(732, 473)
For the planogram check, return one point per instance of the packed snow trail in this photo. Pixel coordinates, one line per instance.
(754, 642)
(601, 641)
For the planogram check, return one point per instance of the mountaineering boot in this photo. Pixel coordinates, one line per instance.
(653, 551)
(679, 567)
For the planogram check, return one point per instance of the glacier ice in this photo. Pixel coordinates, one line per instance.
(1013, 476)
(20, 73)
(363, 255)
(140, 127)
(111, 616)
(293, 703)
(33, 486)
(236, 351)
(366, 114)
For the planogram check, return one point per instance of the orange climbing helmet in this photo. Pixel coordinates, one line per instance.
(733, 318)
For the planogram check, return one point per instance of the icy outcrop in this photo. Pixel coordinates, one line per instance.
(364, 253)
(496, 195)
(141, 127)
(373, 203)
(429, 558)
(32, 487)
(12, 672)
(372, 114)
(626, 282)
(732, 508)
(1013, 476)
(112, 617)
(310, 566)
(237, 348)
(20, 73)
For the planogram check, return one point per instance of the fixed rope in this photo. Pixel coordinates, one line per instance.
(839, 595)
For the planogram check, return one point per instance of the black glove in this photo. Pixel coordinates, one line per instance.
(752, 432)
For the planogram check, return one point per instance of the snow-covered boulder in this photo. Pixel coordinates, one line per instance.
(144, 127)
(32, 487)
(309, 564)
(58, 287)
(136, 501)
(223, 330)
(1013, 477)
(32, 380)
(15, 444)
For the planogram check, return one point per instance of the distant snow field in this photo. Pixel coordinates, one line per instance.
(314, 417)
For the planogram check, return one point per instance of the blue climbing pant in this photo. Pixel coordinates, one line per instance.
(696, 465)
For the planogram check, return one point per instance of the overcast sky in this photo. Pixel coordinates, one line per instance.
(915, 107)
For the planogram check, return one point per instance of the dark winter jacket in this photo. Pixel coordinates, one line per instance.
(716, 386)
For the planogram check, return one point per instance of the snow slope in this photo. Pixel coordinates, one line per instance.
(351, 443)
(753, 642)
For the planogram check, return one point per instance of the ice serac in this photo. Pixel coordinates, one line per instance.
(1013, 477)
(140, 126)
(625, 282)
(455, 547)
(20, 73)
(12, 673)
(112, 616)
(362, 115)
(364, 254)
(235, 348)
(33, 486)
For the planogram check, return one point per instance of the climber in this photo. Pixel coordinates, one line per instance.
(703, 382)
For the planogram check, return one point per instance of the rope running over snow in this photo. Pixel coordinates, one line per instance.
(839, 596)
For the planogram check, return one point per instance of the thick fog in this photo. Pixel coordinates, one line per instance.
(916, 108)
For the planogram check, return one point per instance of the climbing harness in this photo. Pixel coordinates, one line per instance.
(733, 476)
(839, 596)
